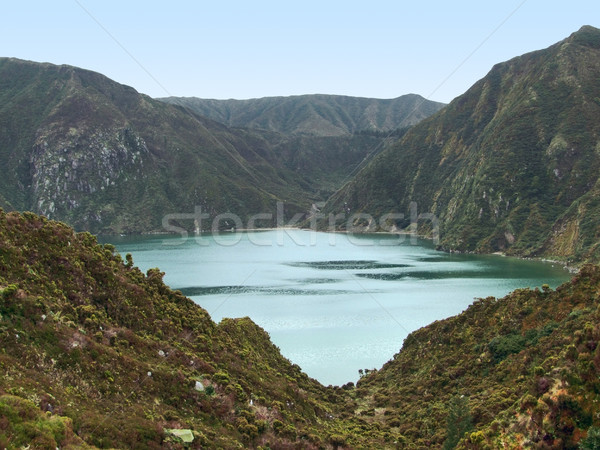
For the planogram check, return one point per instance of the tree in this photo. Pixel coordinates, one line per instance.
(458, 421)
(592, 440)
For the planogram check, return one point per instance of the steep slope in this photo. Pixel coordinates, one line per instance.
(511, 165)
(115, 359)
(517, 372)
(79, 147)
(315, 115)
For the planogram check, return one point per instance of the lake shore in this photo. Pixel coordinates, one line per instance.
(570, 267)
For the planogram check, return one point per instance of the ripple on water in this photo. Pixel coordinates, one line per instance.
(199, 291)
(347, 265)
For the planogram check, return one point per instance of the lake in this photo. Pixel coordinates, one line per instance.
(333, 303)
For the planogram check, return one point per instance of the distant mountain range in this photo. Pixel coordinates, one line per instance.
(512, 165)
(314, 115)
(81, 148)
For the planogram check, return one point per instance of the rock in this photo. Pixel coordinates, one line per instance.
(185, 435)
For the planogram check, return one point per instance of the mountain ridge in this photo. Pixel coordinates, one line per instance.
(315, 114)
(511, 165)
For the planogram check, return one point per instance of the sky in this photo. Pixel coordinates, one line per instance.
(261, 48)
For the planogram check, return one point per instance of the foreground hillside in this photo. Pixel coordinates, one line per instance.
(94, 353)
(315, 115)
(511, 165)
(519, 372)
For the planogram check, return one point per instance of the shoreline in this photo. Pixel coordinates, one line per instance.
(571, 268)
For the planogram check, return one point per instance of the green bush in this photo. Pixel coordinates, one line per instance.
(592, 440)
(502, 346)
(221, 378)
(458, 421)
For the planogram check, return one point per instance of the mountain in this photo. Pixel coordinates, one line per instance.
(315, 115)
(96, 354)
(511, 165)
(79, 147)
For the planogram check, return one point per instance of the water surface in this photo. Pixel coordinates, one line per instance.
(333, 303)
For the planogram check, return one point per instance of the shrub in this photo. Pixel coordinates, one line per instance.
(458, 421)
(337, 440)
(277, 425)
(209, 390)
(221, 378)
(528, 401)
(502, 346)
(592, 440)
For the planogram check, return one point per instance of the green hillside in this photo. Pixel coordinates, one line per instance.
(511, 165)
(98, 155)
(517, 372)
(95, 353)
(94, 350)
(82, 148)
(314, 115)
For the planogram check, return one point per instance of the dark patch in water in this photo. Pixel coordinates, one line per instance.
(193, 291)
(423, 275)
(316, 281)
(383, 276)
(442, 275)
(447, 257)
(347, 265)
(197, 291)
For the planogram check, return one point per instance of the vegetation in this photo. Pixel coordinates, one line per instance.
(315, 115)
(111, 357)
(95, 353)
(511, 165)
(83, 149)
(520, 372)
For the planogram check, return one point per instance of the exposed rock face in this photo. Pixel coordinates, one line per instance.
(68, 170)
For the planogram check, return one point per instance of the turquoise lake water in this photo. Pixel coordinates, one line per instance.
(333, 303)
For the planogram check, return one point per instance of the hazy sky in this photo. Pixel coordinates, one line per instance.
(257, 48)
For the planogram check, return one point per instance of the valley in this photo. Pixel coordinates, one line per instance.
(96, 352)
